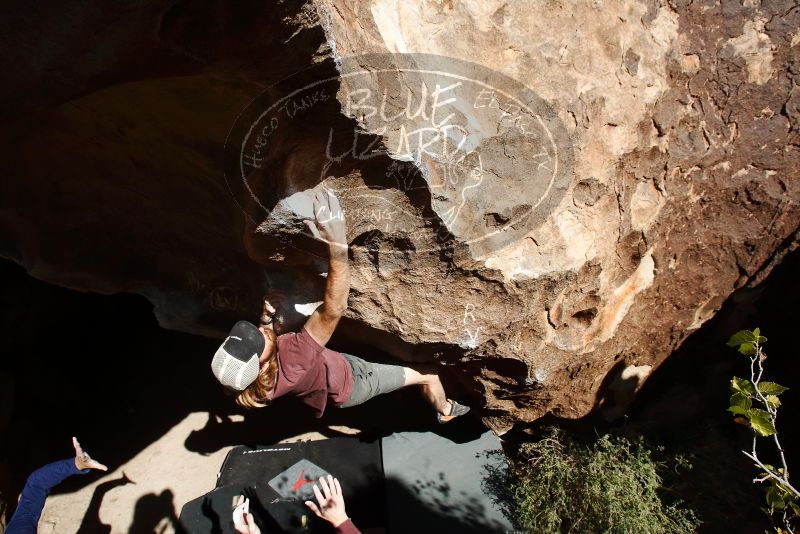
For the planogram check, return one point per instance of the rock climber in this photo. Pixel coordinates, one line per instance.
(260, 366)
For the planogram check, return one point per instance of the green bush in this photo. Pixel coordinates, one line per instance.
(560, 484)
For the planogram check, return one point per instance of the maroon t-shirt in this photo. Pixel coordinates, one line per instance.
(347, 528)
(311, 372)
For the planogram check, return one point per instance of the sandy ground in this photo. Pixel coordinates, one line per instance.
(163, 467)
(165, 476)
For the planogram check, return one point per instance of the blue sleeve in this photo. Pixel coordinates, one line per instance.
(37, 488)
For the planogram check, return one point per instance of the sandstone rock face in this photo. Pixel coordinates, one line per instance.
(544, 197)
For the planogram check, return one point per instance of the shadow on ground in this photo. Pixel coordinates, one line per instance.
(401, 411)
(434, 508)
(91, 523)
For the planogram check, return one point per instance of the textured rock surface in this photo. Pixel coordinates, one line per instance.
(678, 128)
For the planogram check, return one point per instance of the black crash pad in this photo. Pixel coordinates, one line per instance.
(278, 478)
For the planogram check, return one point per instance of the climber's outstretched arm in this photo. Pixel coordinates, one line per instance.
(329, 226)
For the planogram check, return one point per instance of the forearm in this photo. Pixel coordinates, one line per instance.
(337, 286)
(36, 490)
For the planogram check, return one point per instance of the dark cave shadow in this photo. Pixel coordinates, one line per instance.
(91, 524)
(179, 50)
(114, 401)
(152, 509)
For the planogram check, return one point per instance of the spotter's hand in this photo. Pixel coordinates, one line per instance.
(331, 501)
(83, 460)
(243, 520)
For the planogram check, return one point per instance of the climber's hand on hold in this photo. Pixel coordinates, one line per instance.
(328, 224)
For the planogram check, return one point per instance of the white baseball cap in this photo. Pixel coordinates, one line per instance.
(235, 363)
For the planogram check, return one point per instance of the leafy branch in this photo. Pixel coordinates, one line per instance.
(781, 496)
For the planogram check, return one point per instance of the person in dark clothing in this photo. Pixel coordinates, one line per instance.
(260, 366)
(329, 506)
(31, 501)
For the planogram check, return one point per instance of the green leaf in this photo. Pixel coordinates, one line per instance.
(742, 336)
(738, 410)
(758, 337)
(761, 422)
(774, 498)
(743, 386)
(771, 388)
(748, 349)
(773, 401)
(741, 400)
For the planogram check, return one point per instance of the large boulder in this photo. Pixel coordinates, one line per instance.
(545, 198)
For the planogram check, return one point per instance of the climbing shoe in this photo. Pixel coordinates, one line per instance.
(456, 409)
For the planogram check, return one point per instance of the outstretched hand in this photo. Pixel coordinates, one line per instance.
(243, 520)
(331, 501)
(328, 224)
(83, 460)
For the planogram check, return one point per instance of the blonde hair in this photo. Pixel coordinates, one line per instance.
(256, 395)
